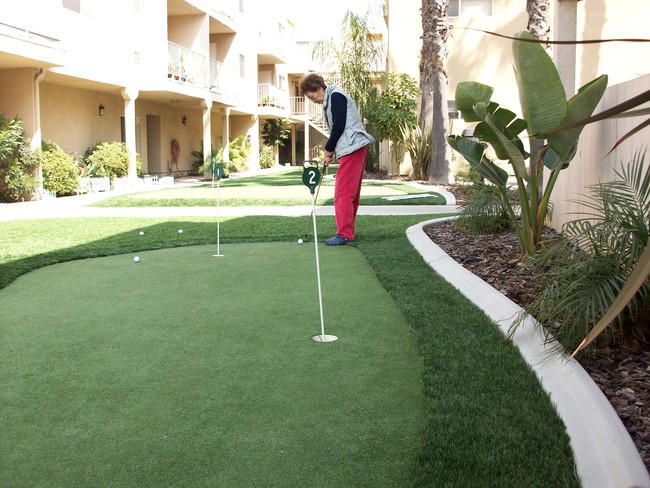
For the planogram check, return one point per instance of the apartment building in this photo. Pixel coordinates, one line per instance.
(150, 73)
(477, 56)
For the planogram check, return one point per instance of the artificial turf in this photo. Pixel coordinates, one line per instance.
(284, 188)
(485, 421)
(186, 369)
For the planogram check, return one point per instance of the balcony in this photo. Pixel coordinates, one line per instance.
(186, 66)
(302, 108)
(189, 68)
(273, 47)
(272, 97)
(223, 79)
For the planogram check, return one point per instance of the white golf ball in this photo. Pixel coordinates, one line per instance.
(180, 231)
(141, 232)
(136, 259)
(300, 241)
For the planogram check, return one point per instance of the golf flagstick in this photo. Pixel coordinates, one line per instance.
(311, 215)
(311, 177)
(218, 172)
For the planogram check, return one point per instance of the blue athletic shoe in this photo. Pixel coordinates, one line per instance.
(337, 240)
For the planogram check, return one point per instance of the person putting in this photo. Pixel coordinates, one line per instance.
(348, 142)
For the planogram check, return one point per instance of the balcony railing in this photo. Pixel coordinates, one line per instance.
(223, 79)
(269, 95)
(191, 68)
(302, 106)
(186, 66)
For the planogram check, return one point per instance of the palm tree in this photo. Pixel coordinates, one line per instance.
(538, 24)
(351, 57)
(434, 116)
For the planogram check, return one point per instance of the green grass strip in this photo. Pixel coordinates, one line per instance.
(277, 189)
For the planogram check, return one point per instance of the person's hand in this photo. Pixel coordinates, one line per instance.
(329, 157)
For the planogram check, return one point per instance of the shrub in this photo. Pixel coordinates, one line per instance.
(484, 211)
(112, 160)
(18, 162)
(267, 157)
(582, 271)
(60, 172)
(239, 151)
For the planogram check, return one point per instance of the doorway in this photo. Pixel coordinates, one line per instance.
(154, 159)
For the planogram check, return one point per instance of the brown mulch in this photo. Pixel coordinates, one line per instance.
(621, 371)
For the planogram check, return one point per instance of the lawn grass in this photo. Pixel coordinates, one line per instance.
(487, 422)
(276, 189)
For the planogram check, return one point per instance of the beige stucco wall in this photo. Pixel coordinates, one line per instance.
(473, 56)
(592, 163)
(17, 96)
(70, 117)
(607, 19)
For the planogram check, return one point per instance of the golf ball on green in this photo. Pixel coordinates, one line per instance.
(300, 241)
(141, 233)
(180, 231)
(136, 259)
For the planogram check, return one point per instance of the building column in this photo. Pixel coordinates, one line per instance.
(37, 137)
(566, 21)
(129, 95)
(206, 105)
(294, 158)
(307, 143)
(226, 135)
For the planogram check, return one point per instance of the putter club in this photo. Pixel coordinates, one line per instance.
(311, 215)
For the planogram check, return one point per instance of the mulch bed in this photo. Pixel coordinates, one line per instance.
(622, 371)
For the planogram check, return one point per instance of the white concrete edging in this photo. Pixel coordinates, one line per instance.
(604, 453)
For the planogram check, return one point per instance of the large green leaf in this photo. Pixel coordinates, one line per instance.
(541, 93)
(474, 153)
(468, 94)
(581, 106)
(500, 141)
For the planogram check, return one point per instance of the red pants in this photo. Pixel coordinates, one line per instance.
(347, 191)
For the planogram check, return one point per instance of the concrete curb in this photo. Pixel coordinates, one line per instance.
(604, 453)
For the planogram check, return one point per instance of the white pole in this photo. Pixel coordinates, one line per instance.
(218, 217)
(218, 214)
(320, 293)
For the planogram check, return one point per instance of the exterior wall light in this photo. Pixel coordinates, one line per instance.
(184, 120)
(102, 110)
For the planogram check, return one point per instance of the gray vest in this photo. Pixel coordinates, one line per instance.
(354, 136)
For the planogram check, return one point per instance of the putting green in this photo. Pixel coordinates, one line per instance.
(191, 370)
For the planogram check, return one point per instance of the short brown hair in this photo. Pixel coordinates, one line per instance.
(311, 83)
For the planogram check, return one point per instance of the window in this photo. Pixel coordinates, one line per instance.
(242, 65)
(470, 8)
(282, 81)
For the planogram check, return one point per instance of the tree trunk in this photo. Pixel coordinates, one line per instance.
(538, 24)
(434, 115)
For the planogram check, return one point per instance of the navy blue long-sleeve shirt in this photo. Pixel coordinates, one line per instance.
(339, 114)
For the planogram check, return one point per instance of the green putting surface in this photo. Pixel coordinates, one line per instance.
(191, 370)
